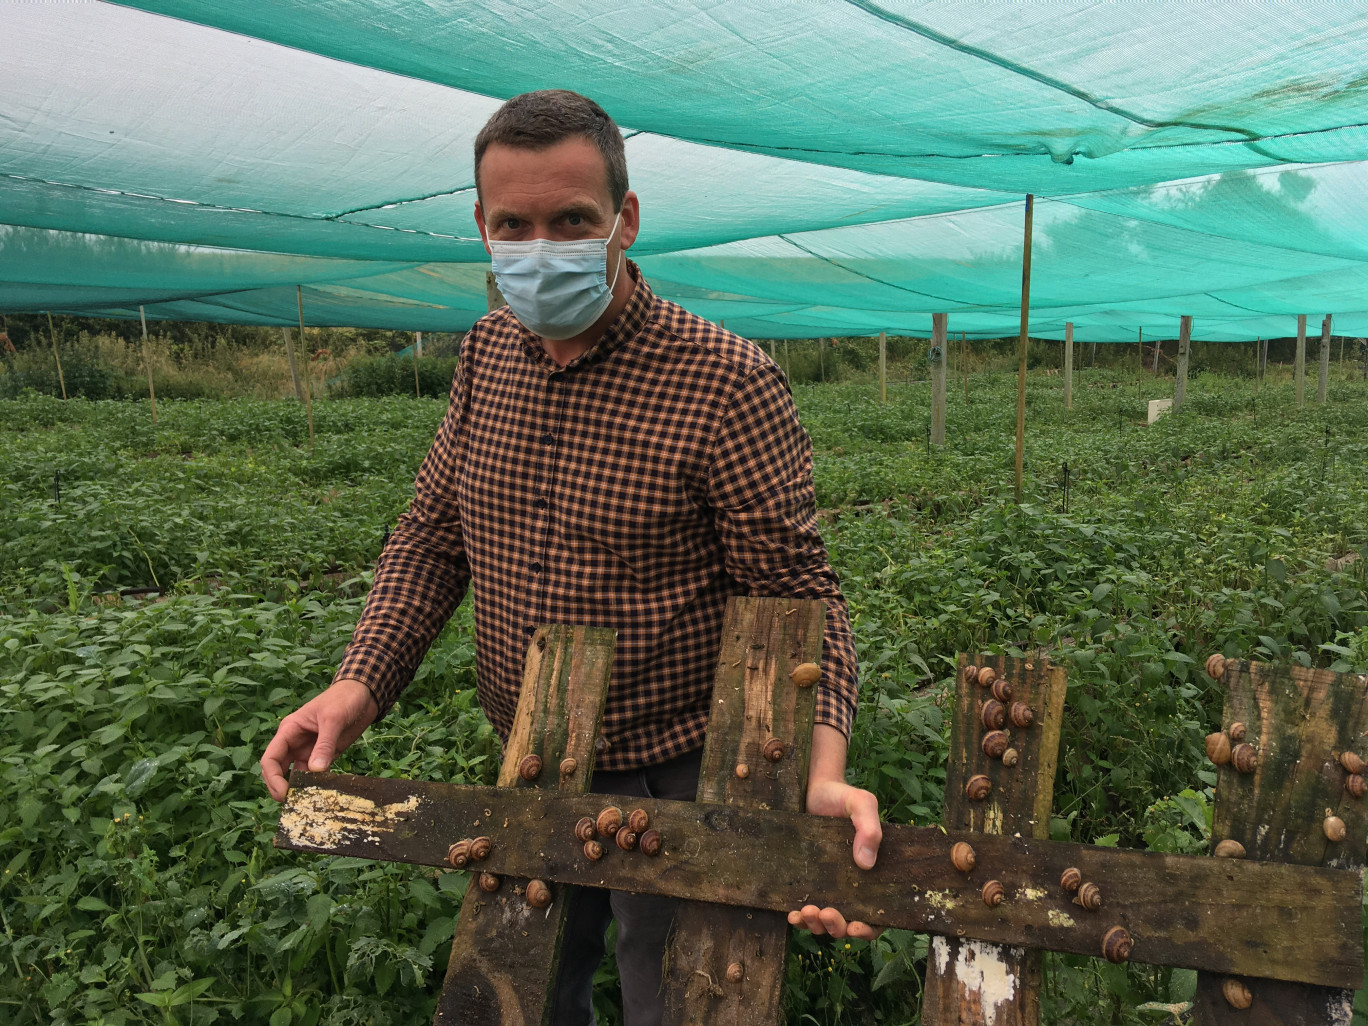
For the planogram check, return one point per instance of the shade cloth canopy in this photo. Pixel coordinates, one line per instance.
(804, 169)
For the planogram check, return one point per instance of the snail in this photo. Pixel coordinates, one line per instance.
(1245, 758)
(986, 676)
(1237, 731)
(1089, 896)
(609, 820)
(593, 851)
(538, 894)
(995, 743)
(530, 768)
(1022, 715)
(638, 821)
(649, 843)
(971, 673)
(1216, 666)
(626, 840)
(1354, 784)
(993, 893)
(459, 854)
(489, 883)
(978, 787)
(1116, 944)
(735, 972)
(742, 771)
(1237, 995)
(1002, 689)
(773, 750)
(993, 714)
(1229, 849)
(1351, 762)
(480, 848)
(1070, 879)
(585, 830)
(1218, 748)
(806, 674)
(1010, 757)
(1333, 827)
(568, 766)
(962, 856)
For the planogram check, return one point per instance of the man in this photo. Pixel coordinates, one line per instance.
(608, 460)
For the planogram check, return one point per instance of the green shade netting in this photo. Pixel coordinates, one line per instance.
(804, 169)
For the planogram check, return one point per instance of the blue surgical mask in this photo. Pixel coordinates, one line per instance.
(555, 289)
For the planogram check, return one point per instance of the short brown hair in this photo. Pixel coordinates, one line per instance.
(535, 121)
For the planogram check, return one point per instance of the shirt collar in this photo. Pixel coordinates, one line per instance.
(621, 330)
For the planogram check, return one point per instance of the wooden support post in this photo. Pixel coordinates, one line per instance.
(970, 982)
(1323, 381)
(1068, 365)
(1140, 370)
(1021, 348)
(304, 352)
(61, 380)
(788, 367)
(1298, 723)
(883, 367)
(418, 343)
(493, 297)
(1184, 349)
(294, 369)
(964, 358)
(821, 358)
(565, 680)
(939, 348)
(147, 362)
(1158, 348)
(1299, 369)
(417, 388)
(755, 700)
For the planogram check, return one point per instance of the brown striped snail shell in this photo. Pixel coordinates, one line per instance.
(638, 821)
(489, 883)
(773, 750)
(806, 674)
(993, 715)
(962, 856)
(593, 851)
(585, 830)
(1218, 748)
(1237, 995)
(1089, 896)
(538, 894)
(609, 820)
(1229, 849)
(480, 848)
(1010, 757)
(458, 855)
(1070, 879)
(1237, 731)
(986, 676)
(1354, 784)
(568, 766)
(626, 840)
(995, 743)
(649, 842)
(1216, 666)
(1117, 944)
(971, 674)
(1244, 758)
(735, 972)
(993, 893)
(530, 768)
(978, 787)
(1351, 762)
(1022, 715)
(1002, 689)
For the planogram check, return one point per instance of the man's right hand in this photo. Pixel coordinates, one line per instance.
(316, 732)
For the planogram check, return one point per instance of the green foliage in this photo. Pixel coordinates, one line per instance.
(372, 376)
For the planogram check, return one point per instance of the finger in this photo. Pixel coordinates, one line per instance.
(325, 745)
(833, 922)
(809, 918)
(863, 931)
(864, 814)
(276, 762)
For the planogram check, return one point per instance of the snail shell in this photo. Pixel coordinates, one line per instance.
(1010, 757)
(1022, 715)
(773, 750)
(995, 743)
(1089, 896)
(993, 893)
(593, 851)
(1117, 944)
(993, 714)
(609, 820)
(1002, 689)
(962, 856)
(530, 768)
(489, 883)
(638, 821)
(971, 674)
(1229, 849)
(585, 830)
(538, 894)
(742, 771)
(986, 676)
(1237, 995)
(568, 766)
(1216, 666)
(1237, 731)
(1354, 784)
(1351, 762)
(1245, 758)
(978, 787)
(480, 848)
(1218, 748)
(736, 972)
(649, 842)
(1070, 879)
(806, 674)
(1334, 828)
(458, 855)
(626, 840)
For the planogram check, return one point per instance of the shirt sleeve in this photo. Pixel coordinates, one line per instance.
(759, 486)
(420, 577)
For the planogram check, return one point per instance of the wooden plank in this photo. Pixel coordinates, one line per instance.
(1185, 911)
(505, 954)
(1299, 369)
(969, 981)
(1068, 365)
(1022, 346)
(755, 701)
(1298, 722)
(883, 366)
(1184, 349)
(938, 357)
(1323, 380)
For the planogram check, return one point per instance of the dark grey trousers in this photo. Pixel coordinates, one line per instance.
(643, 920)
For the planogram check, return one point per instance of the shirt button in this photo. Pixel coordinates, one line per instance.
(539, 503)
(536, 568)
(548, 439)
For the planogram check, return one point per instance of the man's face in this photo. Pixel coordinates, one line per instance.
(559, 193)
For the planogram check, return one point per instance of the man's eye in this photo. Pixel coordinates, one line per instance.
(512, 223)
(574, 220)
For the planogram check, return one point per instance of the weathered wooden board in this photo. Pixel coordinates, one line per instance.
(565, 679)
(1298, 721)
(755, 701)
(1184, 911)
(971, 982)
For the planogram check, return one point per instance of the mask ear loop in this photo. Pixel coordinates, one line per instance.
(613, 284)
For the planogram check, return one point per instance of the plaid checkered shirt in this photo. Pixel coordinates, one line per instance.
(636, 488)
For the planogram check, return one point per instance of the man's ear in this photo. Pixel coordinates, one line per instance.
(479, 223)
(631, 220)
